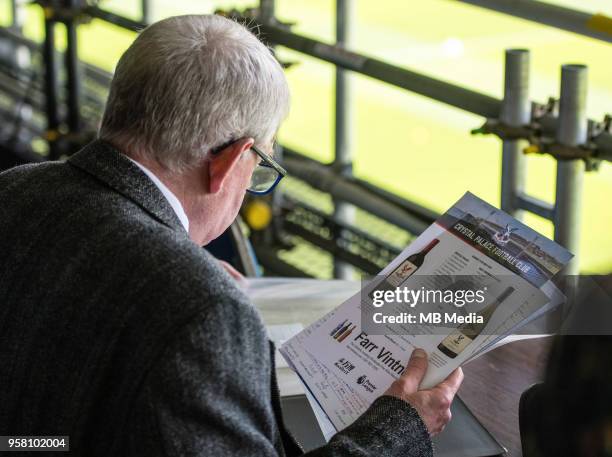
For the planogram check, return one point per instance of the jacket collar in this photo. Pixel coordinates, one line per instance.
(103, 161)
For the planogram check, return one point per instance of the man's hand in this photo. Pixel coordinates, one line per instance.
(433, 405)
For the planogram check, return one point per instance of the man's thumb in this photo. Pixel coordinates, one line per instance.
(415, 371)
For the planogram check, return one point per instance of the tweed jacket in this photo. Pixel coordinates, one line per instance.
(121, 333)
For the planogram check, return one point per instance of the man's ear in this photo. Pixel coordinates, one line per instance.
(221, 163)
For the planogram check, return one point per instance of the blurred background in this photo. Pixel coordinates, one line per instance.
(412, 152)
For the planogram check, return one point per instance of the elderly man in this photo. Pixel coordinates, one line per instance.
(117, 328)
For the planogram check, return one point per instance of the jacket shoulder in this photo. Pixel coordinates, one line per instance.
(182, 272)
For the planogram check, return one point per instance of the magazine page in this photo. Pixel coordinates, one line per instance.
(532, 327)
(468, 280)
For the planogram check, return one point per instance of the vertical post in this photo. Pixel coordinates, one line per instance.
(22, 58)
(51, 84)
(343, 163)
(17, 15)
(145, 7)
(571, 131)
(271, 235)
(515, 112)
(267, 11)
(73, 89)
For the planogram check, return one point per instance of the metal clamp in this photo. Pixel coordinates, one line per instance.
(541, 143)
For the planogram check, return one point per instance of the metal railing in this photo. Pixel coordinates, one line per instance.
(568, 136)
(598, 26)
(562, 130)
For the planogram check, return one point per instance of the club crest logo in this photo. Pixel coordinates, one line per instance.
(502, 238)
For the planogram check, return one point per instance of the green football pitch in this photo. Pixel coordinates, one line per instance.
(403, 142)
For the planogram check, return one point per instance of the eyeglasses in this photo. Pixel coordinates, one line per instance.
(267, 174)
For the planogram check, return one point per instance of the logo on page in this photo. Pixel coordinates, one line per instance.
(344, 365)
(364, 382)
(502, 238)
(342, 331)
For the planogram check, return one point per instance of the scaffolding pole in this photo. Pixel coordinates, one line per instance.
(418, 83)
(73, 73)
(17, 15)
(569, 128)
(326, 179)
(145, 10)
(343, 159)
(267, 11)
(277, 34)
(435, 89)
(51, 86)
(515, 112)
(571, 131)
(598, 26)
(271, 234)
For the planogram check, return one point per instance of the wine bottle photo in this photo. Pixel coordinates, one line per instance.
(455, 343)
(405, 269)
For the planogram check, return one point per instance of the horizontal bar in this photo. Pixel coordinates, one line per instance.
(269, 259)
(425, 214)
(441, 91)
(536, 206)
(324, 178)
(598, 26)
(456, 96)
(31, 127)
(95, 73)
(120, 21)
(331, 247)
(459, 97)
(427, 86)
(379, 245)
(32, 94)
(20, 39)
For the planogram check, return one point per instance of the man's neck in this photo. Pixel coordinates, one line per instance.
(190, 188)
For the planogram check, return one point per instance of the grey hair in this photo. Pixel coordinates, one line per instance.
(188, 84)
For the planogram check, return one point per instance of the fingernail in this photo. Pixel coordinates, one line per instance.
(419, 353)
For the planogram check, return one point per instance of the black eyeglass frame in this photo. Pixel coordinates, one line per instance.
(267, 161)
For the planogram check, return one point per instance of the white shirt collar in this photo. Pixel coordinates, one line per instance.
(174, 202)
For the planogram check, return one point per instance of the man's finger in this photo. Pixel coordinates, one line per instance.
(415, 371)
(452, 382)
